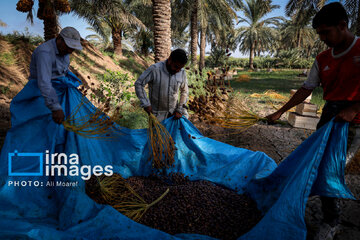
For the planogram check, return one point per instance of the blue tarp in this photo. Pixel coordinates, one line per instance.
(41, 212)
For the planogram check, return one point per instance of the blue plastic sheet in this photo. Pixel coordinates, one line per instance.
(281, 192)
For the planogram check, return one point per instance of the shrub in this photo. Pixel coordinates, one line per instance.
(25, 36)
(116, 86)
(133, 116)
(197, 82)
(283, 60)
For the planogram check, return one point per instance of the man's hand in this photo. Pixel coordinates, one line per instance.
(300, 95)
(177, 115)
(273, 117)
(148, 109)
(58, 116)
(347, 115)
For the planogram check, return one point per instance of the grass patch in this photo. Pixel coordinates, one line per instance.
(281, 81)
(132, 66)
(86, 58)
(25, 36)
(133, 116)
(129, 64)
(8, 58)
(111, 55)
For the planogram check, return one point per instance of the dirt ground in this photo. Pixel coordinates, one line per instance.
(278, 142)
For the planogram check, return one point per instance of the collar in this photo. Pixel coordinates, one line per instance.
(165, 68)
(346, 51)
(53, 42)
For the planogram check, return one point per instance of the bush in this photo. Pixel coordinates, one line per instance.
(304, 63)
(283, 60)
(197, 82)
(7, 58)
(218, 57)
(24, 36)
(133, 116)
(293, 59)
(119, 88)
(233, 62)
(116, 86)
(243, 62)
(264, 62)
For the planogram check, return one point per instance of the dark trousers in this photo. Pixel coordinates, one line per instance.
(331, 210)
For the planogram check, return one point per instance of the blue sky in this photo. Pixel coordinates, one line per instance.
(16, 21)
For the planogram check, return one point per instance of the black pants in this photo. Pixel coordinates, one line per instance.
(331, 210)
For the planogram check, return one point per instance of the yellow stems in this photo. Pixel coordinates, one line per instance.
(121, 196)
(162, 146)
(94, 125)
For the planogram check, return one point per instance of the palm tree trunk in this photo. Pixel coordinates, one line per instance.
(194, 31)
(162, 29)
(144, 45)
(298, 39)
(202, 48)
(251, 60)
(144, 50)
(117, 36)
(50, 28)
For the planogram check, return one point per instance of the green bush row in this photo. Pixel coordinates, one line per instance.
(272, 62)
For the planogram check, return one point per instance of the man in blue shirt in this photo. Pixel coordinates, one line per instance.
(51, 60)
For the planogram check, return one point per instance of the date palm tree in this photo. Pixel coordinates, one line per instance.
(258, 35)
(296, 36)
(200, 13)
(180, 19)
(101, 40)
(143, 38)
(298, 33)
(194, 15)
(215, 17)
(294, 6)
(115, 13)
(306, 6)
(197, 14)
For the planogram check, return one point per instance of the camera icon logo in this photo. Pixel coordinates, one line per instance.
(25, 164)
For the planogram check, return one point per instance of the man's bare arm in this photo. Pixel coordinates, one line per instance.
(298, 98)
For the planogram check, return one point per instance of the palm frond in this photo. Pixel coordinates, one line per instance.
(259, 33)
(2, 24)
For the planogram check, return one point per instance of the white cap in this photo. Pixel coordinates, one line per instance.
(71, 37)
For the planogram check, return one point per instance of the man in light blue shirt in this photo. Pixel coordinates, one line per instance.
(51, 60)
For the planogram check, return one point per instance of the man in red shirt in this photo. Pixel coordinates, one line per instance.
(337, 71)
